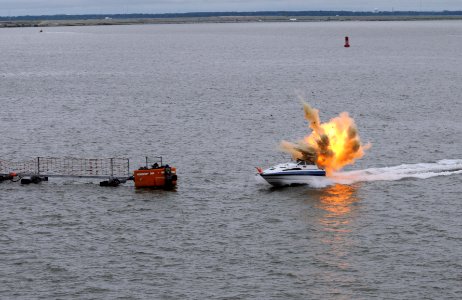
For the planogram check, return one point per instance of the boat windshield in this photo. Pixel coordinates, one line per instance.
(304, 163)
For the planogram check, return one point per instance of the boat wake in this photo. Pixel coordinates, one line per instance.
(420, 171)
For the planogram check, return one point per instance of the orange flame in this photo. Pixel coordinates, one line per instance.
(331, 145)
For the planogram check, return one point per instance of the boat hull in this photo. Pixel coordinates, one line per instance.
(287, 180)
(292, 174)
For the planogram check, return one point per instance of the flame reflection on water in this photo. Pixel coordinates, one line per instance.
(336, 204)
(335, 211)
(337, 199)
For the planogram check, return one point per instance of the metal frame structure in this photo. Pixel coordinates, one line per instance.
(70, 167)
(156, 159)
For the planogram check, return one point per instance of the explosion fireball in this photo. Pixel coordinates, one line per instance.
(331, 145)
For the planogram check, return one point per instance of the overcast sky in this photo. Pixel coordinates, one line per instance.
(39, 7)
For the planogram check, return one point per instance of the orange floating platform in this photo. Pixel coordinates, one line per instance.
(156, 177)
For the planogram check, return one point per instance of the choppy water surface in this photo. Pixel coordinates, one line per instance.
(215, 100)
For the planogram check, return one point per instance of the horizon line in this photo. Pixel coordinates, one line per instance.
(235, 13)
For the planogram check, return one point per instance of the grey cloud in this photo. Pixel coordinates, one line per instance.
(20, 7)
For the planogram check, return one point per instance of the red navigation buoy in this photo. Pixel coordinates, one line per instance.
(347, 43)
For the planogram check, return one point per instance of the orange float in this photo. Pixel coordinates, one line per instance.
(155, 177)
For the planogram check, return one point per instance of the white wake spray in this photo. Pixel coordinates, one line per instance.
(420, 171)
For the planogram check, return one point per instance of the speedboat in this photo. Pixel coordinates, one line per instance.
(292, 173)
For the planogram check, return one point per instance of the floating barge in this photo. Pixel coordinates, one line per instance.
(113, 171)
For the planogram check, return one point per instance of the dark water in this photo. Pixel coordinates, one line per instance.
(215, 100)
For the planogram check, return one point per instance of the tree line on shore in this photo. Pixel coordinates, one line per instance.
(231, 14)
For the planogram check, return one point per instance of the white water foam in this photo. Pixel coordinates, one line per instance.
(444, 167)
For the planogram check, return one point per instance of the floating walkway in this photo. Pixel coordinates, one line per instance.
(114, 170)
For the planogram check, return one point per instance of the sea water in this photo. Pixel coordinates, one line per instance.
(215, 100)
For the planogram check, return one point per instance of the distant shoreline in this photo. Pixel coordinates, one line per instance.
(218, 19)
